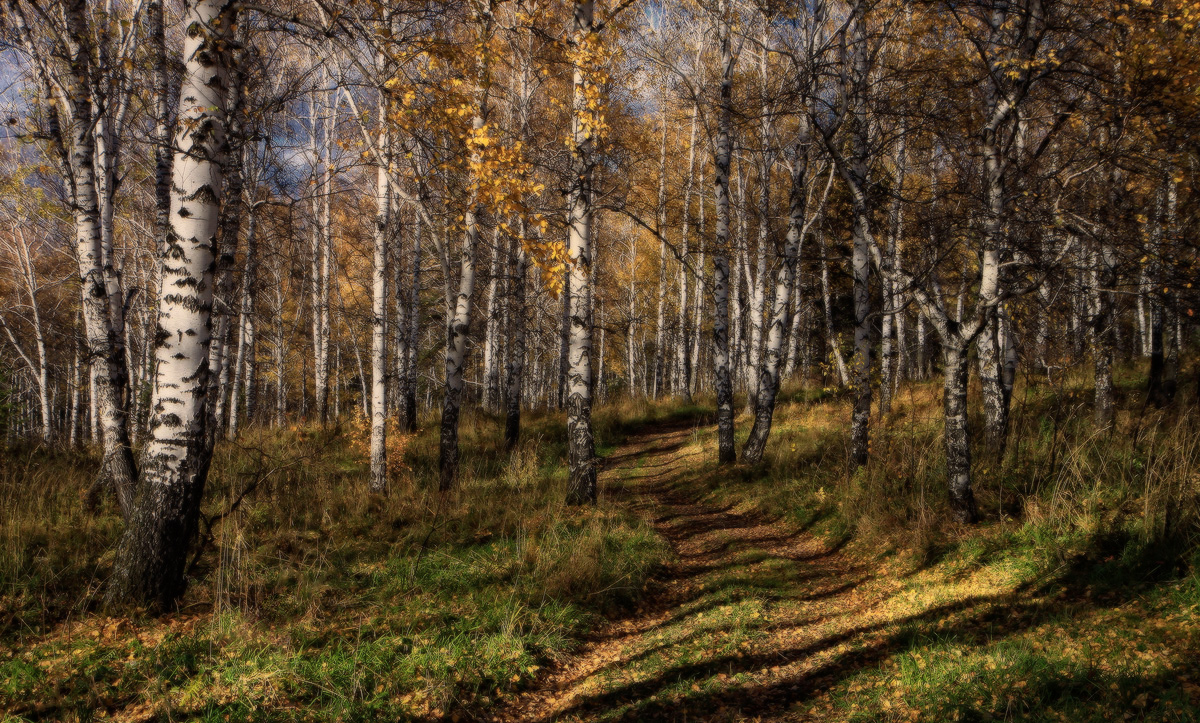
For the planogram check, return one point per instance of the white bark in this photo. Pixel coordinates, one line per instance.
(581, 448)
(151, 558)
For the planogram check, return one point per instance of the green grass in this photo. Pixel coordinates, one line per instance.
(1077, 599)
(313, 600)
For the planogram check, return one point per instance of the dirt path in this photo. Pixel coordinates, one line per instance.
(747, 622)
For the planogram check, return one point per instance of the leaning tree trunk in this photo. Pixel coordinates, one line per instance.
(785, 282)
(722, 381)
(152, 556)
(957, 434)
(581, 447)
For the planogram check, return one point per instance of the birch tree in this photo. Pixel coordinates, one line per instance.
(150, 563)
(722, 150)
(64, 79)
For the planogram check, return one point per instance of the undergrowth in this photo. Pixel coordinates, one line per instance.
(313, 600)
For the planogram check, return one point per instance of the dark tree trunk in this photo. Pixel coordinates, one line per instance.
(957, 434)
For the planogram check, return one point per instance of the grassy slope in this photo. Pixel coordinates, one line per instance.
(1078, 599)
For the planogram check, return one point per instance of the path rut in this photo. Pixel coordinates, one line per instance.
(748, 622)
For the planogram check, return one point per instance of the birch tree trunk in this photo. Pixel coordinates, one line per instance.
(459, 311)
(1104, 274)
(957, 435)
(888, 351)
(76, 156)
(660, 228)
(832, 339)
(244, 361)
(379, 303)
(581, 448)
(39, 369)
(722, 379)
(320, 262)
(683, 366)
(861, 265)
(227, 247)
(785, 283)
(514, 394)
(564, 340)
(76, 406)
(491, 338)
(408, 382)
(995, 400)
(152, 555)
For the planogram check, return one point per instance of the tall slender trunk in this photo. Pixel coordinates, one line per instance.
(888, 351)
(1142, 327)
(105, 346)
(519, 263)
(722, 380)
(660, 228)
(227, 246)
(76, 407)
(1155, 391)
(1104, 275)
(244, 361)
(408, 382)
(697, 323)
(459, 306)
(564, 341)
(491, 338)
(861, 417)
(795, 331)
(319, 263)
(995, 399)
(152, 555)
(758, 294)
(785, 284)
(683, 365)
(957, 434)
(1171, 299)
(379, 304)
(581, 447)
(739, 275)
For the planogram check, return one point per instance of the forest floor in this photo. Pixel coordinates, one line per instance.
(792, 590)
(759, 618)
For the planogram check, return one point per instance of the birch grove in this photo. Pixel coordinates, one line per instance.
(220, 221)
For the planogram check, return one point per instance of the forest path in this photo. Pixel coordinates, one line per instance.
(751, 621)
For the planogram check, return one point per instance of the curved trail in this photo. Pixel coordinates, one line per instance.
(748, 622)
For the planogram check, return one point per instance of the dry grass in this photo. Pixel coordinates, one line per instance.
(311, 594)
